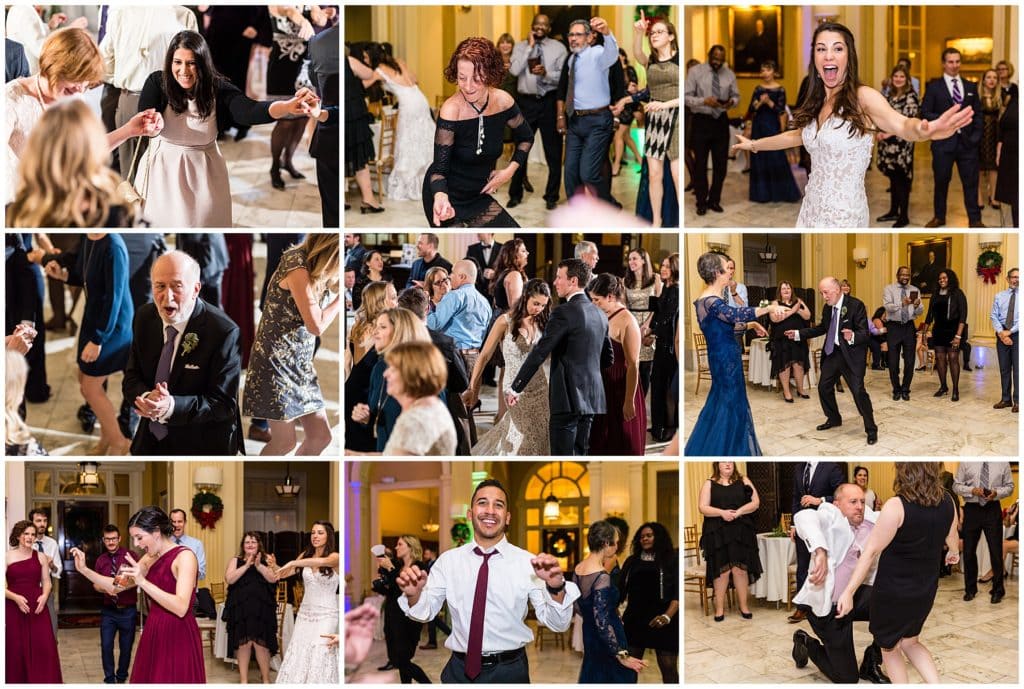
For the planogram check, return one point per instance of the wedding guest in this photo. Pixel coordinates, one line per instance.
(30, 646)
(982, 485)
(429, 257)
(167, 575)
(26, 26)
(992, 104)
(789, 358)
(902, 305)
(250, 610)
(429, 558)
(622, 429)
(1007, 157)
(1005, 319)
(485, 254)
(354, 250)
(860, 477)
(814, 482)
(908, 534)
(505, 289)
(47, 545)
(118, 614)
(895, 155)
(361, 357)
(178, 521)
(437, 283)
(770, 177)
(18, 440)
(311, 657)
(281, 383)
(1005, 71)
(606, 658)
(727, 500)
(643, 287)
(401, 633)
(1011, 543)
(376, 298)
(372, 269)
(415, 376)
(878, 345)
(948, 310)
(711, 90)
(665, 398)
(650, 590)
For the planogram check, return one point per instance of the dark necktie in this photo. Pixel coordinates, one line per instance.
(716, 88)
(807, 478)
(958, 97)
(39, 546)
(904, 316)
(570, 90)
(984, 482)
(1011, 316)
(474, 648)
(833, 327)
(163, 372)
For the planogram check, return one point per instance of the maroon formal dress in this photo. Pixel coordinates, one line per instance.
(170, 650)
(31, 649)
(611, 434)
(238, 295)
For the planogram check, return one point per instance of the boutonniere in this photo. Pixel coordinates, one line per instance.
(190, 342)
(843, 312)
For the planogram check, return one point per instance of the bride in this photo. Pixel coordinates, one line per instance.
(414, 140)
(312, 653)
(836, 126)
(523, 429)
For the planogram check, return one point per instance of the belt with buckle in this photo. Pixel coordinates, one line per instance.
(488, 659)
(474, 350)
(593, 111)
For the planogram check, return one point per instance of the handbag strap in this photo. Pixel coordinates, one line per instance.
(135, 158)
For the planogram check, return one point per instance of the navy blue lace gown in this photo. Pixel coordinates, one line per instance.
(770, 176)
(603, 634)
(725, 427)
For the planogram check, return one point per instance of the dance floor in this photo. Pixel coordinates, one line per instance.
(972, 643)
(54, 423)
(925, 426)
(741, 212)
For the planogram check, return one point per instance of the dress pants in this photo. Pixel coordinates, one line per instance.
(120, 621)
(570, 434)
(987, 518)
(540, 113)
(902, 341)
(586, 150)
(469, 358)
(327, 183)
(515, 671)
(835, 654)
(710, 135)
(833, 366)
(1009, 368)
(966, 159)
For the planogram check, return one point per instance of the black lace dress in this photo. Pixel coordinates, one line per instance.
(250, 611)
(603, 634)
(784, 350)
(462, 165)
(730, 544)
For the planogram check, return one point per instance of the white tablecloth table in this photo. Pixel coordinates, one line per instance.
(776, 554)
(220, 637)
(760, 369)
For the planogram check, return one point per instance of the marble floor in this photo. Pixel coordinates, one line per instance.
(972, 643)
(80, 662)
(741, 212)
(55, 425)
(970, 427)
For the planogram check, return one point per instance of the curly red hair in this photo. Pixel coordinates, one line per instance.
(487, 63)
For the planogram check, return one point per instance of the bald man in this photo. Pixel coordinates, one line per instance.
(844, 323)
(184, 368)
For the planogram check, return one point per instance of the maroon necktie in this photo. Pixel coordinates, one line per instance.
(476, 622)
(163, 372)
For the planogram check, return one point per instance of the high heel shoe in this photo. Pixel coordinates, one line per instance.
(802, 395)
(955, 397)
(746, 615)
(788, 399)
(275, 178)
(365, 208)
(719, 618)
(295, 174)
(941, 391)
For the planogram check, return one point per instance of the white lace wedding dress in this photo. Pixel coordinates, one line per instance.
(414, 141)
(308, 660)
(835, 195)
(523, 430)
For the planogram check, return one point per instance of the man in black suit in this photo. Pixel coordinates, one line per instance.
(962, 148)
(16, 64)
(576, 338)
(844, 322)
(324, 68)
(210, 250)
(485, 254)
(813, 483)
(183, 369)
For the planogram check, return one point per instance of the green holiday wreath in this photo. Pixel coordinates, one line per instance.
(990, 264)
(207, 508)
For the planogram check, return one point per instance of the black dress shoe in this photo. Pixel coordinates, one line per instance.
(888, 217)
(902, 222)
(275, 179)
(797, 616)
(526, 185)
(800, 654)
(295, 174)
(788, 399)
(873, 673)
(896, 394)
(955, 397)
(551, 205)
(997, 596)
(806, 397)
(512, 203)
(906, 395)
(967, 368)
(969, 596)
(702, 210)
(872, 438)
(385, 668)
(716, 207)
(827, 425)
(941, 391)
(719, 618)
(746, 615)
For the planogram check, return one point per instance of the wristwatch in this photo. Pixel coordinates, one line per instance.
(555, 590)
(623, 654)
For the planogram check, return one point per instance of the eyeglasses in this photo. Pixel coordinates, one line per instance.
(442, 281)
(659, 32)
(576, 34)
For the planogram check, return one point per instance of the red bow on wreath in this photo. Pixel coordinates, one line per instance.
(207, 509)
(989, 274)
(990, 264)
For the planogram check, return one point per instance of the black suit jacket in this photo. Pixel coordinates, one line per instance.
(576, 338)
(203, 382)
(210, 250)
(16, 64)
(324, 72)
(937, 101)
(458, 381)
(476, 253)
(826, 478)
(855, 318)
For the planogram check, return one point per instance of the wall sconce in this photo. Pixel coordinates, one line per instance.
(989, 241)
(825, 13)
(860, 257)
(208, 479)
(551, 507)
(88, 473)
(718, 242)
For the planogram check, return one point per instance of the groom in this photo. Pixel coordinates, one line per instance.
(577, 339)
(844, 322)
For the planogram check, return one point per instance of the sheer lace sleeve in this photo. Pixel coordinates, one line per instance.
(521, 133)
(716, 307)
(779, 98)
(444, 142)
(604, 609)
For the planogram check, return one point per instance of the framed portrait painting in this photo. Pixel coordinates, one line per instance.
(926, 259)
(755, 34)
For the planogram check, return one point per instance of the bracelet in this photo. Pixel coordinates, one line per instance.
(753, 147)
(555, 590)
(622, 654)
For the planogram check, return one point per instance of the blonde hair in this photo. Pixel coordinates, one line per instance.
(70, 55)
(415, 547)
(407, 328)
(421, 367)
(17, 372)
(374, 296)
(63, 177)
(322, 260)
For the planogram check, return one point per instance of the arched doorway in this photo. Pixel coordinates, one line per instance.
(563, 535)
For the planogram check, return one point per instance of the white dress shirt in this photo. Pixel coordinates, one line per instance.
(51, 551)
(136, 41)
(968, 476)
(511, 582)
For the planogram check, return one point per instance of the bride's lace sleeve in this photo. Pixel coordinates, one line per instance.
(521, 133)
(729, 314)
(604, 610)
(444, 142)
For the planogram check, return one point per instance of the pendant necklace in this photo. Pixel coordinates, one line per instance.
(479, 121)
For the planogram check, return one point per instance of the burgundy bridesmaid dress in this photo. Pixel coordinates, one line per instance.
(170, 650)
(31, 649)
(611, 434)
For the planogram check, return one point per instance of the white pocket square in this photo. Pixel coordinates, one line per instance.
(191, 367)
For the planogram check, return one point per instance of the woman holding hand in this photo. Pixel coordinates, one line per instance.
(30, 647)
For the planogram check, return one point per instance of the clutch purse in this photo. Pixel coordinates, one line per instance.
(126, 189)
